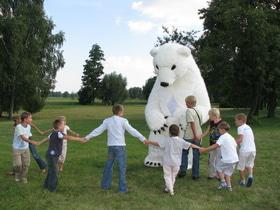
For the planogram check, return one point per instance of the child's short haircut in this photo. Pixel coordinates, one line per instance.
(117, 108)
(224, 125)
(25, 115)
(191, 100)
(57, 123)
(215, 112)
(174, 130)
(63, 118)
(242, 117)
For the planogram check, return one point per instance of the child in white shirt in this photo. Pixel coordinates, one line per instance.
(116, 127)
(229, 156)
(173, 147)
(247, 151)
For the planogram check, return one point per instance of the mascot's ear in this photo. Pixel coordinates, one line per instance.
(154, 51)
(185, 51)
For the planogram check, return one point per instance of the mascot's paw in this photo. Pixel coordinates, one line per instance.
(152, 163)
(161, 127)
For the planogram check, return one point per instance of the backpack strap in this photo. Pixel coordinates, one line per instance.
(197, 116)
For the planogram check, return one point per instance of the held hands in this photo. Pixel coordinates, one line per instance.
(83, 140)
(146, 142)
(202, 150)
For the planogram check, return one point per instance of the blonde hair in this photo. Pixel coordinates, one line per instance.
(191, 100)
(242, 117)
(215, 112)
(63, 118)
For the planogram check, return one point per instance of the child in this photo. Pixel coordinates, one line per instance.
(229, 155)
(116, 126)
(247, 151)
(62, 157)
(21, 155)
(213, 132)
(192, 125)
(40, 162)
(54, 151)
(173, 147)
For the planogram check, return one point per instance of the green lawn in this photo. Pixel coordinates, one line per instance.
(79, 183)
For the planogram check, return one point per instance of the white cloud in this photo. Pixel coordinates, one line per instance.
(136, 69)
(141, 26)
(178, 13)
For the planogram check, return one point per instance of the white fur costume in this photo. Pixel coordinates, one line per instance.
(177, 77)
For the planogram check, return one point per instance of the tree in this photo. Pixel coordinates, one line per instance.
(113, 89)
(30, 54)
(135, 92)
(187, 38)
(147, 88)
(91, 79)
(235, 52)
(65, 94)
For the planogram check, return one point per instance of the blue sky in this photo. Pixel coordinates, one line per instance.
(126, 30)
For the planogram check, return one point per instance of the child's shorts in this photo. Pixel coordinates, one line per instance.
(226, 168)
(246, 159)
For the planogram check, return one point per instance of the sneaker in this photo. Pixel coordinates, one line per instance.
(241, 183)
(249, 182)
(17, 180)
(181, 174)
(43, 171)
(222, 185)
(171, 193)
(229, 189)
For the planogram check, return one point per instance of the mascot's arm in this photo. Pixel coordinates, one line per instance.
(154, 116)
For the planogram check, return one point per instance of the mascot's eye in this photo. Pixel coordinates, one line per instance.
(173, 67)
(157, 67)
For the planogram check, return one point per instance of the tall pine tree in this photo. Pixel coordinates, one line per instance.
(91, 79)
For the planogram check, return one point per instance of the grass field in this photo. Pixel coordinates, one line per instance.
(79, 183)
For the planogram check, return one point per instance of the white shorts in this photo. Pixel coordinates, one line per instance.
(226, 168)
(246, 160)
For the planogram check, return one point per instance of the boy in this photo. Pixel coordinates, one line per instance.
(192, 125)
(172, 154)
(21, 155)
(116, 126)
(62, 157)
(213, 132)
(229, 155)
(54, 150)
(247, 151)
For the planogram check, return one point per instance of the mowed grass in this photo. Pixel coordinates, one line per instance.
(79, 184)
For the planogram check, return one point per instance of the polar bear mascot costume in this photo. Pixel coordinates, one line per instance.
(177, 77)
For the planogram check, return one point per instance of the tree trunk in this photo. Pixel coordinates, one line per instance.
(254, 108)
(272, 102)
(12, 103)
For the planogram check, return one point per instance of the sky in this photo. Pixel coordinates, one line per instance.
(126, 31)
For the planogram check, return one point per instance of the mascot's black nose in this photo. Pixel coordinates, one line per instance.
(164, 84)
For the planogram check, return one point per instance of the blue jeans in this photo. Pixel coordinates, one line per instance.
(117, 153)
(36, 156)
(195, 165)
(51, 180)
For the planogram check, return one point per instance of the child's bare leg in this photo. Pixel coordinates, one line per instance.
(250, 171)
(242, 175)
(228, 180)
(221, 176)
